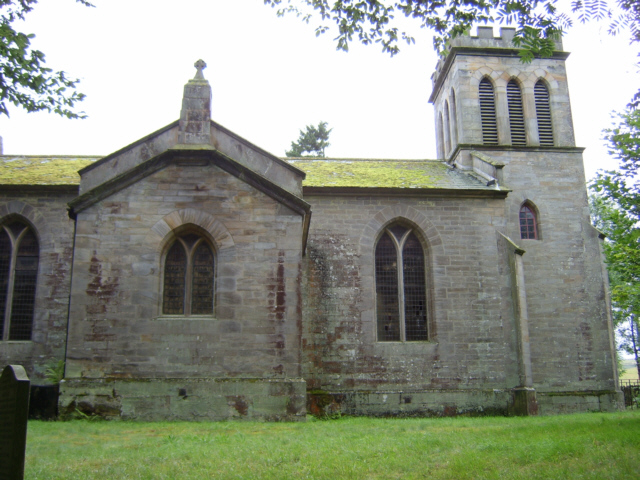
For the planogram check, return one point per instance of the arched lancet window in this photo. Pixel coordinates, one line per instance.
(19, 254)
(189, 272)
(543, 113)
(441, 151)
(516, 114)
(528, 222)
(447, 129)
(454, 119)
(488, 113)
(401, 292)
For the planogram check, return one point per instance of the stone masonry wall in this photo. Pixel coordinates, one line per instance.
(117, 330)
(471, 332)
(568, 312)
(46, 211)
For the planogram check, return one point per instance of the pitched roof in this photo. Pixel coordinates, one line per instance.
(321, 172)
(365, 173)
(42, 170)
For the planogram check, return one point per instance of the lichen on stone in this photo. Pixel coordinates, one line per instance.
(41, 170)
(373, 173)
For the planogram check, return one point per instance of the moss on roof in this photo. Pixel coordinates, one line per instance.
(322, 172)
(40, 170)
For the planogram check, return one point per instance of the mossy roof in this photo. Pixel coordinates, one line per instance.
(364, 173)
(321, 172)
(41, 170)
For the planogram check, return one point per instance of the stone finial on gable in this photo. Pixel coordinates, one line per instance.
(195, 116)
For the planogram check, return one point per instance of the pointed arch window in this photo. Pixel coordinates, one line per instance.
(454, 119)
(440, 129)
(516, 114)
(447, 129)
(401, 292)
(189, 277)
(528, 222)
(488, 113)
(543, 113)
(19, 256)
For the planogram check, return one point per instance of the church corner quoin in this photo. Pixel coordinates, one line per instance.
(194, 276)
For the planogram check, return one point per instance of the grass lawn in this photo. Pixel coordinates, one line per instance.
(587, 446)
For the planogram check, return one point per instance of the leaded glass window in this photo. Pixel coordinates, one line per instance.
(401, 294)
(19, 257)
(189, 277)
(528, 227)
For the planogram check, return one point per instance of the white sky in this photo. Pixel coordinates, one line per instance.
(270, 77)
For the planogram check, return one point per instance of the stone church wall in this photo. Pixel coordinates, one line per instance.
(468, 365)
(44, 208)
(118, 331)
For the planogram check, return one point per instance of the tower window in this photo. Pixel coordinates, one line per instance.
(400, 287)
(188, 277)
(454, 119)
(543, 113)
(19, 254)
(447, 129)
(516, 115)
(528, 223)
(488, 113)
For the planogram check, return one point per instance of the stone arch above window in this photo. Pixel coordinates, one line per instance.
(401, 285)
(528, 217)
(543, 113)
(19, 259)
(189, 275)
(488, 112)
(516, 114)
(165, 229)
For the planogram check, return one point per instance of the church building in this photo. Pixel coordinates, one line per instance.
(192, 275)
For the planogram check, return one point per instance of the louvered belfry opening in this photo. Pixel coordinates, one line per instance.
(543, 113)
(401, 294)
(454, 119)
(189, 272)
(447, 129)
(19, 259)
(488, 113)
(516, 114)
(440, 130)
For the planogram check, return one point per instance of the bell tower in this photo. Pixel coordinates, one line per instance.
(509, 123)
(485, 96)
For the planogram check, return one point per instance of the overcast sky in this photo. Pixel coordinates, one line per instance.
(270, 77)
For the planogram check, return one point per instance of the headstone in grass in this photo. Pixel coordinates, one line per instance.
(14, 410)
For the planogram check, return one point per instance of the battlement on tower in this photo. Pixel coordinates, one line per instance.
(486, 42)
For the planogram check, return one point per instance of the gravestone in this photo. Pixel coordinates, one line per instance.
(14, 409)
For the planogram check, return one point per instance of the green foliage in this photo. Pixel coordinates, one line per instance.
(537, 22)
(616, 211)
(55, 371)
(312, 142)
(587, 446)
(24, 79)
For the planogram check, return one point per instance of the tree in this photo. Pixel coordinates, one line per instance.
(312, 142)
(24, 79)
(538, 22)
(616, 209)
